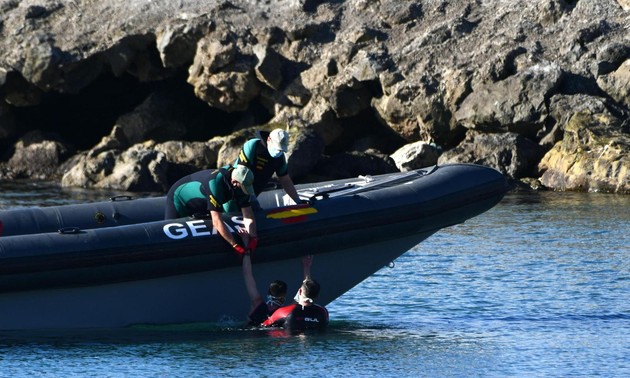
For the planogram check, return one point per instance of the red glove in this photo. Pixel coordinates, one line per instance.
(253, 243)
(240, 250)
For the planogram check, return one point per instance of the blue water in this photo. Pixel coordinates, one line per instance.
(537, 287)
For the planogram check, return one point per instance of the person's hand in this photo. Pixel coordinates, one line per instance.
(307, 261)
(253, 243)
(240, 250)
(244, 235)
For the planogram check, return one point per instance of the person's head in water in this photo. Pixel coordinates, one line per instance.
(308, 292)
(276, 294)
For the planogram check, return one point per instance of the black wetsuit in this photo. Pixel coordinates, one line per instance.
(259, 314)
(299, 317)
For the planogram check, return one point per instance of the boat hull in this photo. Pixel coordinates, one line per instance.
(179, 271)
(210, 296)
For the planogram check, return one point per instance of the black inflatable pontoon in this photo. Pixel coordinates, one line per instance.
(118, 263)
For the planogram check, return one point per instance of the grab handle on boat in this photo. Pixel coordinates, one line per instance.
(121, 198)
(200, 215)
(69, 230)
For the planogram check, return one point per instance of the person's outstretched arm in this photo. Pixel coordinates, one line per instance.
(250, 282)
(307, 262)
(218, 224)
(249, 221)
(289, 188)
(248, 274)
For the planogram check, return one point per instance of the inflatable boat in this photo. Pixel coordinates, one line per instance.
(118, 263)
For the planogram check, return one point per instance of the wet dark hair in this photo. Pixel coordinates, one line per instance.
(310, 288)
(278, 289)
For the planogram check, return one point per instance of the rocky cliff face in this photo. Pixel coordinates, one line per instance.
(132, 95)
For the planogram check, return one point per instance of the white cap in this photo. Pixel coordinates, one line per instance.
(279, 140)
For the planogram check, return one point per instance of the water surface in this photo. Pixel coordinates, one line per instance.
(537, 286)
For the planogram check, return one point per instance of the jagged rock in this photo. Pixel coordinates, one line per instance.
(610, 57)
(591, 157)
(177, 41)
(424, 70)
(318, 115)
(231, 145)
(561, 109)
(116, 141)
(355, 164)
(155, 119)
(269, 67)
(516, 104)
(223, 74)
(37, 155)
(509, 153)
(185, 158)
(306, 149)
(617, 84)
(415, 155)
(202, 155)
(529, 183)
(350, 100)
(136, 169)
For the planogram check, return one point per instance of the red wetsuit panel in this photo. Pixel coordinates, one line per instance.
(297, 317)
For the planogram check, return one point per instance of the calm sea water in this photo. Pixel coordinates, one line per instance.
(537, 287)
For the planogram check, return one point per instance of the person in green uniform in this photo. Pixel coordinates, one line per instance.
(264, 155)
(207, 191)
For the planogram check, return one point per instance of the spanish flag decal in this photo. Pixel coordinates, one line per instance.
(293, 214)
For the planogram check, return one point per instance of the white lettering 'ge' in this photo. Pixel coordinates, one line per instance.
(195, 228)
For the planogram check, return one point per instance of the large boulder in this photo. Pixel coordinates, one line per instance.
(137, 169)
(157, 118)
(516, 104)
(593, 156)
(355, 164)
(509, 153)
(185, 158)
(223, 72)
(37, 155)
(617, 84)
(306, 149)
(415, 155)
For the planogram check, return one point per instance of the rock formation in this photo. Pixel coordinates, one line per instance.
(132, 95)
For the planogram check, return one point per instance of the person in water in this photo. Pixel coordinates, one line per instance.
(264, 155)
(261, 309)
(207, 191)
(304, 313)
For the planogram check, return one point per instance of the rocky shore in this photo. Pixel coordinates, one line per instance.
(132, 95)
